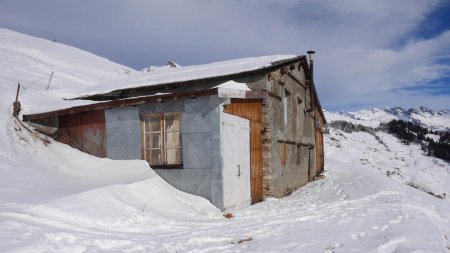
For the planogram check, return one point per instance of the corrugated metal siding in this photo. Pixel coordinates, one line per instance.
(84, 131)
(251, 110)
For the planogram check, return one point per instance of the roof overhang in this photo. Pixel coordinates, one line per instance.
(161, 98)
(161, 87)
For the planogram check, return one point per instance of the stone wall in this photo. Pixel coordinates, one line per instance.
(287, 157)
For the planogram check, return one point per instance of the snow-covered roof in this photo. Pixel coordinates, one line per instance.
(188, 73)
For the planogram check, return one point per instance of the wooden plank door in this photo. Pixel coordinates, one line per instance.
(320, 160)
(251, 110)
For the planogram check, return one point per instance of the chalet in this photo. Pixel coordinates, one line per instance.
(233, 132)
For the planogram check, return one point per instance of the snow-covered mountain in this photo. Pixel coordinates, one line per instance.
(48, 71)
(384, 153)
(433, 120)
(169, 65)
(377, 195)
(374, 147)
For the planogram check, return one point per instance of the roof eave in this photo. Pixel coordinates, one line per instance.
(110, 95)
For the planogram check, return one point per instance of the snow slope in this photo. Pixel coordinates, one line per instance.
(31, 61)
(384, 153)
(353, 209)
(422, 116)
(56, 199)
(58, 183)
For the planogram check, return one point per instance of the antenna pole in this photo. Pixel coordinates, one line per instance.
(49, 80)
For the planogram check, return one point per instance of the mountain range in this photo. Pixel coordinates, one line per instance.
(422, 116)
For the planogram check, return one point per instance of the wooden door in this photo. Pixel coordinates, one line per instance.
(319, 145)
(252, 110)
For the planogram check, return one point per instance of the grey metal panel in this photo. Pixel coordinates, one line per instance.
(202, 162)
(168, 106)
(196, 105)
(217, 193)
(194, 181)
(195, 123)
(123, 133)
(201, 173)
(197, 151)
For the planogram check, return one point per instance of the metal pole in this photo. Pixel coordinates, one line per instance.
(311, 74)
(49, 80)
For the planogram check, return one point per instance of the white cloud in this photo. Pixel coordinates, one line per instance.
(365, 47)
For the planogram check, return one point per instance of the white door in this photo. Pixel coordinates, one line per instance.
(236, 162)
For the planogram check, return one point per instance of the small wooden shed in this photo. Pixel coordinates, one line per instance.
(234, 132)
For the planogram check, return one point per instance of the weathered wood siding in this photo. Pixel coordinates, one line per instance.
(320, 161)
(84, 131)
(251, 110)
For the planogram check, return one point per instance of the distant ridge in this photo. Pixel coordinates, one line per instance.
(373, 117)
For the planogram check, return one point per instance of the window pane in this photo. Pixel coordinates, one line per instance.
(153, 140)
(153, 156)
(172, 121)
(173, 139)
(153, 123)
(173, 156)
(286, 106)
(159, 151)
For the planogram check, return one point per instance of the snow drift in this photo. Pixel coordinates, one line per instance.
(55, 182)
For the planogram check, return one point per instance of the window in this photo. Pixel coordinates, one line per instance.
(283, 154)
(300, 112)
(317, 122)
(162, 139)
(286, 106)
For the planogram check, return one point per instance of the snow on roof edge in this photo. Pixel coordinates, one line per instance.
(188, 73)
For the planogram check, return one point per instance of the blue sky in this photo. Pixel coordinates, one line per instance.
(370, 53)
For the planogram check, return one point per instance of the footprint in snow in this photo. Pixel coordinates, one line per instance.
(358, 236)
(400, 219)
(331, 248)
(381, 228)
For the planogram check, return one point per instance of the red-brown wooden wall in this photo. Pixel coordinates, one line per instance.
(84, 131)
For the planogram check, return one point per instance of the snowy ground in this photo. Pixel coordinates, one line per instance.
(405, 163)
(353, 209)
(56, 199)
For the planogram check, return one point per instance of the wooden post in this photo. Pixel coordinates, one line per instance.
(16, 104)
(49, 80)
(17, 93)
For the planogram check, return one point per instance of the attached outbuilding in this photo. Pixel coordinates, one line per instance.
(234, 132)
